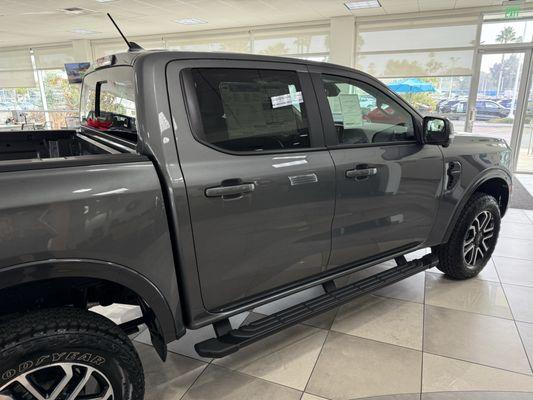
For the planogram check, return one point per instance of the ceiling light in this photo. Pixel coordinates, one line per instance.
(360, 4)
(81, 31)
(191, 21)
(105, 1)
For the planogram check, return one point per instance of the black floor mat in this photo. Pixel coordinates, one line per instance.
(520, 198)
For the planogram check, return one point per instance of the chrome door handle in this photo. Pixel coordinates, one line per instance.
(357, 173)
(221, 191)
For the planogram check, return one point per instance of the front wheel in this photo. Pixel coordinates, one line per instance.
(473, 239)
(66, 353)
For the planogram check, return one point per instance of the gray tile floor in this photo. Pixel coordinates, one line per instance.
(427, 338)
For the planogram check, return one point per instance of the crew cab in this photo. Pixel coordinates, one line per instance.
(201, 186)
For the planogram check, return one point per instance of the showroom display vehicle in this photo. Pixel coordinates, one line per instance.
(201, 186)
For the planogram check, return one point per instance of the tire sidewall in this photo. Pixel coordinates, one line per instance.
(81, 348)
(484, 203)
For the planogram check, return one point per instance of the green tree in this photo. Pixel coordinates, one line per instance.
(506, 35)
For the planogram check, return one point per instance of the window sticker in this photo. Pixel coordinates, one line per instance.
(352, 116)
(287, 99)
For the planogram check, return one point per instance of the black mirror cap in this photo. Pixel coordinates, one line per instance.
(442, 137)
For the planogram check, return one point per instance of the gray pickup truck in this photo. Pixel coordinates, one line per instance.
(201, 186)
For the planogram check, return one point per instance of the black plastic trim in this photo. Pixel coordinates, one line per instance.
(250, 333)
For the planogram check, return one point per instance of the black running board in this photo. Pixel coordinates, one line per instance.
(233, 340)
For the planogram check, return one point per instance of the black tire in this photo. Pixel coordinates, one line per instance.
(452, 258)
(48, 341)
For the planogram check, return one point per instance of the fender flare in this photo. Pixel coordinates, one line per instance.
(86, 268)
(477, 182)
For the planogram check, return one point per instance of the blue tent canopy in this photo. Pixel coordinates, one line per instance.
(411, 85)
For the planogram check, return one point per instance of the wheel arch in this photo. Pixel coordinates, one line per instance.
(496, 182)
(165, 326)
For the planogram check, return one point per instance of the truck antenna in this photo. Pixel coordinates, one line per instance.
(132, 46)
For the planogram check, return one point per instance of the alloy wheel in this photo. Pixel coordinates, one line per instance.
(60, 381)
(477, 242)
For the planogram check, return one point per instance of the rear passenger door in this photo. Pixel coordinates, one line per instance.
(387, 182)
(259, 180)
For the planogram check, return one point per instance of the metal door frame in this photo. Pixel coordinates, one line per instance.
(521, 99)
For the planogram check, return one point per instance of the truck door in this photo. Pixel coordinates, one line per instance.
(260, 183)
(387, 183)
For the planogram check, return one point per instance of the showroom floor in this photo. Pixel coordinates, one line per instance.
(426, 335)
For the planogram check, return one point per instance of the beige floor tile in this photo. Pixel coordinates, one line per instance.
(386, 320)
(473, 337)
(410, 289)
(168, 380)
(308, 396)
(516, 215)
(350, 367)
(118, 313)
(483, 297)
(515, 271)
(412, 396)
(322, 321)
(526, 333)
(521, 301)
(514, 248)
(222, 384)
(477, 396)
(287, 359)
(529, 214)
(518, 230)
(442, 374)
(487, 274)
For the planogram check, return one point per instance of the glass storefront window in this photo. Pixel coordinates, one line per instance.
(448, 91)
(439, 37)
(505, 32)
(238, 44)
(60, 95)
(23, 99)
(441, 63)
(294, 44)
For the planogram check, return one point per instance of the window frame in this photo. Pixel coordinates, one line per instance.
(332, 141)
(316, 135)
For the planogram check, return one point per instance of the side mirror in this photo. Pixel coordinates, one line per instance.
(437, 131)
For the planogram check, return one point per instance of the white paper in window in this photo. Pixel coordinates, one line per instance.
(352, 115)
(287, 99)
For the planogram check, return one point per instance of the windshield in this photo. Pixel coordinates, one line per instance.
(108, 102)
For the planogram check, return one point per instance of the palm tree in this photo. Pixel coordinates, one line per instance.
(506, 35)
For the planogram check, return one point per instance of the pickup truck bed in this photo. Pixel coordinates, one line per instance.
(20, 145)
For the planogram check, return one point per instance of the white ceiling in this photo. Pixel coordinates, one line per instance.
(30, 22)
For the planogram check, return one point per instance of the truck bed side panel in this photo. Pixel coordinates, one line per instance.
(111, 213)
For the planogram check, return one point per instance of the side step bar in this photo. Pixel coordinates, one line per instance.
(232, 340)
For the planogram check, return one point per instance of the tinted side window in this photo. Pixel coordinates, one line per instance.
(247, 110)
(362, 114)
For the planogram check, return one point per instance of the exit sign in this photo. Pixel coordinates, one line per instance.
(512, 12)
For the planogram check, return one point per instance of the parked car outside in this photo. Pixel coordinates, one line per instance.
(485, 110)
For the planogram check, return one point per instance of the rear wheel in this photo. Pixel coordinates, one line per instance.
(67, 354)
(473, 239)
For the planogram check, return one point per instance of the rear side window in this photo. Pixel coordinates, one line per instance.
(108, 102)
(249, 110)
